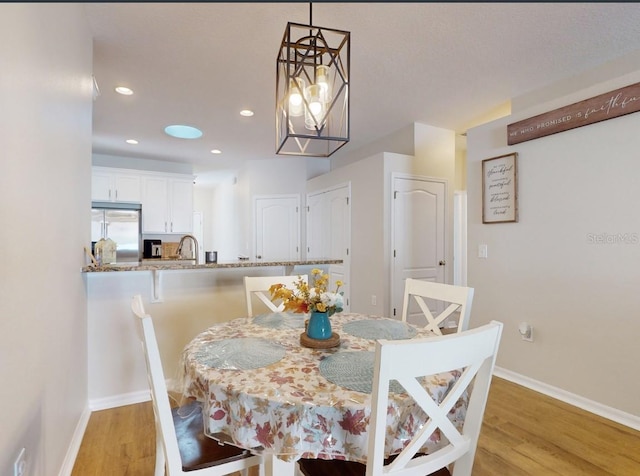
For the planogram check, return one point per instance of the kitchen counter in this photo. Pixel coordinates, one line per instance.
(168, 264)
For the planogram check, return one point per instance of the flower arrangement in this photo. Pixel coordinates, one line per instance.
(312, 297)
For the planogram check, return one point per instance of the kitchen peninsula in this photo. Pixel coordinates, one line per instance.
(183, 299)
(168, 264)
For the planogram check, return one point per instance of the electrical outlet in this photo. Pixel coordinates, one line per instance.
(374, 300)
(20, 465)
(526, 331)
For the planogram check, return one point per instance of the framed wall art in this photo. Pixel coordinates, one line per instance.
(500, 189)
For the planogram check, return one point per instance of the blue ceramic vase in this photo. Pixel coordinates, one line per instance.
(319, 326)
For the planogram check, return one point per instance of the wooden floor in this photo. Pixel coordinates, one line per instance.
(524, 433)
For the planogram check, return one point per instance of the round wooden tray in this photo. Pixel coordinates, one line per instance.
(332, 341)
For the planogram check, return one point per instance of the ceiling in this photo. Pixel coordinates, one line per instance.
(449, 65)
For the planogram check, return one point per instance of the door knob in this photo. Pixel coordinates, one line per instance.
(442, 262)
(259, 257)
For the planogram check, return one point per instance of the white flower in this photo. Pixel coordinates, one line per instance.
(332, 299)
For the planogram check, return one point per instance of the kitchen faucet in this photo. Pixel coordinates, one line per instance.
(195, 247)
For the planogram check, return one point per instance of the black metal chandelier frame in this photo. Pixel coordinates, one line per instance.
(308, 55)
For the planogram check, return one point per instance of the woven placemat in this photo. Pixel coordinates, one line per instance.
(380, 329)
(243, 353)
(352, 370)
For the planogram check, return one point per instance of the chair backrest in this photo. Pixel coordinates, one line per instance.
(181, 445)
(158, 387)
(459, 299)
(259, 287)
(473, 352)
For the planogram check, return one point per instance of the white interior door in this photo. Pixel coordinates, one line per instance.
(418, 235)
(340, 239)
(316, 226)
(277, 226)
(329, 233)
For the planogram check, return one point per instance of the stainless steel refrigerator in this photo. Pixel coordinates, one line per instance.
(122, 223)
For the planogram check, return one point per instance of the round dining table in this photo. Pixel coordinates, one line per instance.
(262, 390)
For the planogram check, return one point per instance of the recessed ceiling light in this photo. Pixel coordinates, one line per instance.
(216, 151)
(246, 113)
(183, 132)
(131, 141)
(124, 91)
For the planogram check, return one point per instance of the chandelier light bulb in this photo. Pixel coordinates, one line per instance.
(295, 99)
(296, 107)
(315, 107)
(314, 115)
(314, 99)
(322, 80)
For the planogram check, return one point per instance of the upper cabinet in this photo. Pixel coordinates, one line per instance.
(115, 185)
(167, 204)
(166, 198)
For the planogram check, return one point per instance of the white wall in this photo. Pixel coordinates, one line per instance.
(398, 142)
(232, 214)
(104, 160)
(45, 93)
(367, 229)
(371, 193)
(581, 297)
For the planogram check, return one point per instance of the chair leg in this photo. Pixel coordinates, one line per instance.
(160, 461)
(463, 466)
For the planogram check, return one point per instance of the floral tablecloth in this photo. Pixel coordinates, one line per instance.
(268, 393)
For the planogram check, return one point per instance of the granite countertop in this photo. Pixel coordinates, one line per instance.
(167, 264)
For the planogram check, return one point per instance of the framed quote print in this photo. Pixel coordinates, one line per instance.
(500, 189)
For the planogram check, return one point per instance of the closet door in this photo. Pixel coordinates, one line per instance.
(317, 226)
(329, 233)
(277, 228)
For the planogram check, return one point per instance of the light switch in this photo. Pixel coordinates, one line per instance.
(482, 251)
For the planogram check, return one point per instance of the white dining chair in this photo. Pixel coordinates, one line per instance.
(181, 446)
(473, 352)
(258, 286)
(458, 298)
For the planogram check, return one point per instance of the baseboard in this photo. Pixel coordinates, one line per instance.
(76, 441)
(613, 414)
(119, 400)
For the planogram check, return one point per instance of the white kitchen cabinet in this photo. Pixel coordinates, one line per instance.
(167, 204)
(181, 205)
(115, 185)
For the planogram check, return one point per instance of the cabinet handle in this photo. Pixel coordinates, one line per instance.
(116, 195)
(172, 227)
(165, 226)
(109, 194)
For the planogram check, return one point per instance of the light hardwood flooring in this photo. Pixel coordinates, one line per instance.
(524, 433)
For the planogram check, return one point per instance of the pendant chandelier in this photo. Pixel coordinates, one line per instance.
(312, 90)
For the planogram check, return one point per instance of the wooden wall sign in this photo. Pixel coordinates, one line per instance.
(600, 108)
